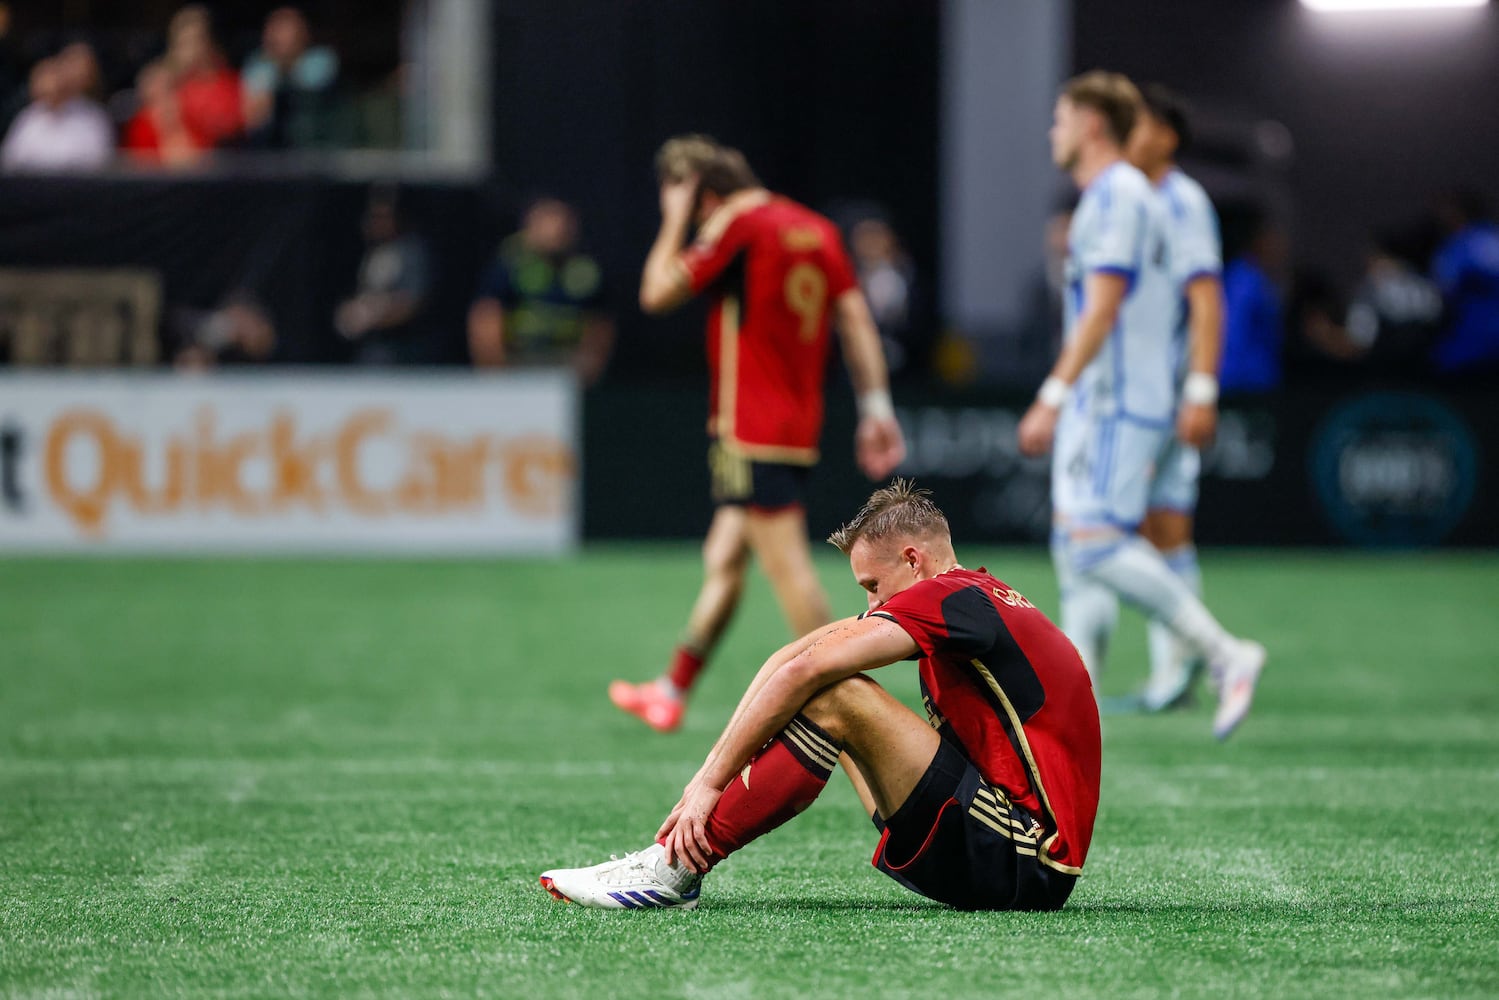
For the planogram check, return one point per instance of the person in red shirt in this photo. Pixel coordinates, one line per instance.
(779, 280)
(988, 804)
(209, 99)
(155, 134)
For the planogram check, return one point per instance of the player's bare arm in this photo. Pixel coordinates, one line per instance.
(837, 652)
(1198, 420)
(664, 284)
(878, 443)
(486, 333)
(779, 659)
(1103, 294)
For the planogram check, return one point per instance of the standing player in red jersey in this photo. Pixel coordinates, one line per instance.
(989, 805)
(779, 279)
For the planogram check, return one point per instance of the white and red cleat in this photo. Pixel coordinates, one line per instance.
(641, 880)
(1236, 680)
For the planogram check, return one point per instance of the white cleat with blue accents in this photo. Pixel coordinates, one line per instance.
(641, 880)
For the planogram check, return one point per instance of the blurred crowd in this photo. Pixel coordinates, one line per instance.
(540, 300)
(186, 99)
(1425, 304)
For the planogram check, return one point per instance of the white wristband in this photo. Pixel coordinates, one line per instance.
(876, 404)
(1053, 393)
(1200, 389)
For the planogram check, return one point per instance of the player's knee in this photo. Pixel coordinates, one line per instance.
(1081, 549)
(725, 561)
(833, 706)
(1167, 529)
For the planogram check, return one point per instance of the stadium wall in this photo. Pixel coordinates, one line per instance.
(1375, 467)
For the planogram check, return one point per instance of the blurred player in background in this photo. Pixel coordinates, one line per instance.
(1162, 130)
(987, 805)
(779, 279)
(1109, 400)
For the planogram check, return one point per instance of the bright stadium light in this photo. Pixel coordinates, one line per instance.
(1362, 6)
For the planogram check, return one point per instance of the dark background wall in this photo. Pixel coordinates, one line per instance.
(831, 101)
(1383, 109)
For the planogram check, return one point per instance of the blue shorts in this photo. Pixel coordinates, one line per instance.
(1174, 486)
(1109, 469)
(961, 841)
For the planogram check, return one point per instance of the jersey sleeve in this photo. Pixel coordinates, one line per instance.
(963, 622)
(840, 268)
(1117, 245)
(717, 246)
(1198, 250)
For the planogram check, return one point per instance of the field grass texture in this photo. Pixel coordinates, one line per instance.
(326, 778)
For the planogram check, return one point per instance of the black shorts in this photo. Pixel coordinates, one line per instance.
(945, 843)
(739, 481)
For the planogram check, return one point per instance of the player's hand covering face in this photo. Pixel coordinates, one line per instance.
(679, 197)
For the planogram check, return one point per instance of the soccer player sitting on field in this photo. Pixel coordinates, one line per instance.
(989, 805)
(778, 278)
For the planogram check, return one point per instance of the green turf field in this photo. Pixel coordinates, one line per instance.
(288, 778)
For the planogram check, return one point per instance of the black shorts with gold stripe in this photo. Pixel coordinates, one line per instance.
(739, 481)
(961, 841)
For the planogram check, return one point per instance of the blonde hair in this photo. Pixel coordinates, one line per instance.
(898, 510)
(1112, 95)
(720, 169)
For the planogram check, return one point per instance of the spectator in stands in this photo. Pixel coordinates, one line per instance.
(384, 316)
(1395, 316)
(888, 280)
(64, 127)
(208, 90)
(1254, 313)
(155, 134)
(13, 96)
(541, 302)
(1466, 269)
(291, 99)
(238, 332)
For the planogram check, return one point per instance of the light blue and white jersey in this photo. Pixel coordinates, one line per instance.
(1120, 227)
(1196, 248)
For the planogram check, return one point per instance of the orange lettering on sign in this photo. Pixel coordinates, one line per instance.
(163, 473)
(294, 469)
(84, 506)
(362, 425)
(537, 474)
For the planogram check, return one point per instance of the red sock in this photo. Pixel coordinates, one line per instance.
(686, 664)
(780, 781)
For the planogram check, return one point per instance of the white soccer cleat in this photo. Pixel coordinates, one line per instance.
(641, 880)
(1237, 677)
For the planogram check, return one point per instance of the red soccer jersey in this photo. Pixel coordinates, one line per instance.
(774, 268)
(1001, 678)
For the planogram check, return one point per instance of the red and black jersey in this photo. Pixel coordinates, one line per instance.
(1004, 681)
(774, 269)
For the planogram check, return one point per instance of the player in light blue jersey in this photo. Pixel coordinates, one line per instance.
(1109, 405)
(1162, 130)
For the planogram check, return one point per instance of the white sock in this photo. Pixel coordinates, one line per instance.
(1170, 659)
(1134, 570)
(1090, 612)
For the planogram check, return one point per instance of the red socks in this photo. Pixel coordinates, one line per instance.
(780, 781)
(686, 664)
